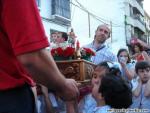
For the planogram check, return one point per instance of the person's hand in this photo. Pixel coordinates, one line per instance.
(72, 106)
(43, 90)
(122, 61)
(148, 83)
(140, 42)
(139, 80)
(147, 89)
(123, 64)
(95, 92)
(135, 55)
(70, 90)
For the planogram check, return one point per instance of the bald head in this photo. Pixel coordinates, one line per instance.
(106, 26)
(102, 33)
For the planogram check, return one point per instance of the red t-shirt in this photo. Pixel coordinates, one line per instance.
(21, 31)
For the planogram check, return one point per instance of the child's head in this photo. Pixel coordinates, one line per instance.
(103, 68)
(62, 37)
(142, 69)
(100, 70)
(53, 37)
(115, 91)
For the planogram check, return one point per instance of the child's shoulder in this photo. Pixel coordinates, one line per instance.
(88, 98)
(102, 109)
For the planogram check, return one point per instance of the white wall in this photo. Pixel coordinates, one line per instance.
(112, 10)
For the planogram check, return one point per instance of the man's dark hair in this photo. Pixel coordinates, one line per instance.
(64, 35)
(141, 65)
(113, 70)
(115, 91)
(104, 64)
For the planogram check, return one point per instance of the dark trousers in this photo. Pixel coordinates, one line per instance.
(18, 100)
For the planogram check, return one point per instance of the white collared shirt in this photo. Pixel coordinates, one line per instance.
(103, 53)
(102, 109)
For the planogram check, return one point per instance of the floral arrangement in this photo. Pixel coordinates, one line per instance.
(63, 52)
(87, 52)
(66, 52)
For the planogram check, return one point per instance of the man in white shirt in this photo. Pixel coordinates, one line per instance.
(103, 52)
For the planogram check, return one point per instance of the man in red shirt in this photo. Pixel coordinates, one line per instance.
(22, 56)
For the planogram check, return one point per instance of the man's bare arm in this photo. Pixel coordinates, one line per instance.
(43, 69)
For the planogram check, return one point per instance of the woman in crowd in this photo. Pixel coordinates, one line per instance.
(127, 68)
(138, 52)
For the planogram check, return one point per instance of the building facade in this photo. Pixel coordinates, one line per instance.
(125, 17)
(55, 15)
(147, 24)
(134, 20)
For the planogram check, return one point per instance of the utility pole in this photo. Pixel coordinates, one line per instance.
(125, 27)
(89, 24)
(111, 31)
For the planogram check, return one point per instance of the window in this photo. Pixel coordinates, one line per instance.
(61, 7)
(38, 3)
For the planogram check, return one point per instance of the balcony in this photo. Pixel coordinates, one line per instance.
(60, 19)
(147, 25)
(139, 18)
(61, 11)
(136, 4)
(140, 2)
(135, 23)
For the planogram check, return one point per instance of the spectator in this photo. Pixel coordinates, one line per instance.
(141, 91)
(23, 56)
(114, 92)
(72, 37)
(109, 91)
(103, 52)
(62, 37)
(138, 52)
(127, 68)
(53, 37)
(88, 103)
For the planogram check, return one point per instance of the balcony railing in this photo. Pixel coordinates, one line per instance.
(139, 17)
(62, 8)
(136, 4)
(135, 23)
(140, 2)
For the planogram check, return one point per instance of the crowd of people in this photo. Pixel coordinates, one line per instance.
(130, 88)
(59, 39)
(32, 83)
